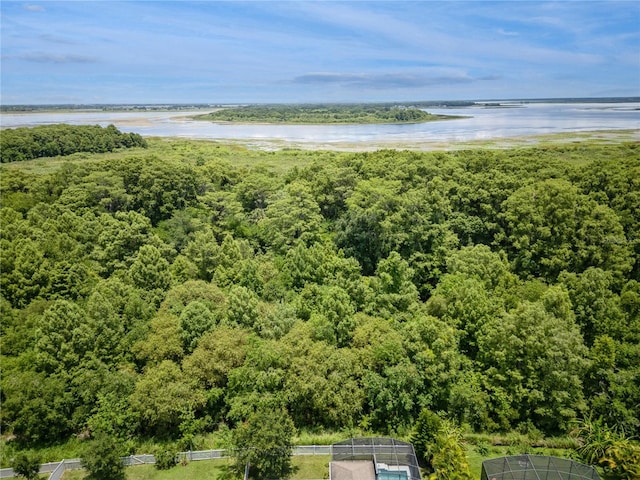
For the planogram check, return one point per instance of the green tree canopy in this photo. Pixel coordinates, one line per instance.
(534, 358)
(161, 396)
(264, 442)
(102, 458)
(551, 227)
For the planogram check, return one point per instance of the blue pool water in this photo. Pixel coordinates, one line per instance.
(389, 475)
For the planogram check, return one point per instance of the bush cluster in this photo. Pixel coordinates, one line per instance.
(24, 143)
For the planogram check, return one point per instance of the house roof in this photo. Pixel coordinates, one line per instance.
(352, 470)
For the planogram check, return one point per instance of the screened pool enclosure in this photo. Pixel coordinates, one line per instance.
(536, 467)
(374, 458)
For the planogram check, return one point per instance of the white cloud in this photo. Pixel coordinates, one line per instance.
(50, 38)
(34, 8)
(389, 80)
(41, 57)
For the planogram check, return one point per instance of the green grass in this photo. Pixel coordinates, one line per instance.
(475, 462)
(306, 467)
(311, 466)
(54, 453)
(324, 438)
(201, 470)
(192, 152)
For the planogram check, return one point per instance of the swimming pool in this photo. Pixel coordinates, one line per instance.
(392, 475)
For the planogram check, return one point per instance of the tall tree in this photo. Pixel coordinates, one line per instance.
(195, 320)
(534, 358)
(292, 217)
(150, 271)
(597, 308)
(393, 290)
(63, 337)
(551, 227)
(102, 458)
(264, 443)
(162, 395)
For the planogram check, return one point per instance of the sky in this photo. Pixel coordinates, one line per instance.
(225, 52)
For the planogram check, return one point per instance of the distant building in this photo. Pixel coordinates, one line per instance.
(373, 458)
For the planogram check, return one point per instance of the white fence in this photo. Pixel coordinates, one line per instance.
(58, 472)
(57, 469)
(138, 459)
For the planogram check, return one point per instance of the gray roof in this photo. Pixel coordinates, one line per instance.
(352, 470)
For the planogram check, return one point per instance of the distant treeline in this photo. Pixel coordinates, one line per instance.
(189, 106)
(314, 114)
(19, 144)
(106, 107)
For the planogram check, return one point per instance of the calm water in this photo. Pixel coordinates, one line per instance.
(482, 124)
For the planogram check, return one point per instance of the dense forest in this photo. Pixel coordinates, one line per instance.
(180, 289)
(24, 143)
(319, 114)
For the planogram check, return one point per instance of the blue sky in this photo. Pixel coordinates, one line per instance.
(315, 51)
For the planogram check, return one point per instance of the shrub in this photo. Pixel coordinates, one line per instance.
(26, 465)
(166, 459)
(483, 449)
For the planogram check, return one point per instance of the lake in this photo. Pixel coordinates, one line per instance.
(482, 123)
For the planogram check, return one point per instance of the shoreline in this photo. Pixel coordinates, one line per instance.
(481, 130)
(602, 137)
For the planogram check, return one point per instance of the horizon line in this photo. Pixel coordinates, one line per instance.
(629, 99)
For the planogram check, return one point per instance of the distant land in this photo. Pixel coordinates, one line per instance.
(26, 108)
(321, 114)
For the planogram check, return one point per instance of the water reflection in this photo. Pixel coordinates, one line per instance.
(482, 123)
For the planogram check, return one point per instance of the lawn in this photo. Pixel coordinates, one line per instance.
(202, 470)
(307, 467)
